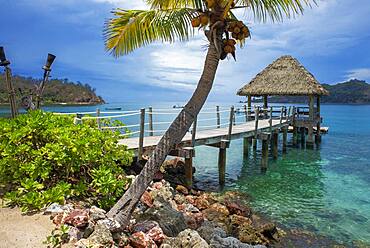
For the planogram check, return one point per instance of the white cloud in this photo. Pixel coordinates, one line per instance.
(361, 74)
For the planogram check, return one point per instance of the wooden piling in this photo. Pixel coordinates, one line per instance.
(318, 126)
(265, 154)
(224, 144)
(249, 107)
(311, 117)
(189, 167)
(231, 121)
(246, 145)
(275, 142)
(98, 119)
(285, 139)
(246, 113)
(151, 129)
(256, 114)
(141, 135)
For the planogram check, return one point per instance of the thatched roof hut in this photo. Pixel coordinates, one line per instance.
(285, 76)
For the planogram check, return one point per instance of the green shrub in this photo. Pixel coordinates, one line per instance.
(45, 158)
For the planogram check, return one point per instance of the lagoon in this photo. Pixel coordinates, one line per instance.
(324, 190)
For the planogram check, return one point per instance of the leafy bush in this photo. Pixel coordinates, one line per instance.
(45, 158)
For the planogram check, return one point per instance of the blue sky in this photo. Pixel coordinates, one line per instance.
(332, 40)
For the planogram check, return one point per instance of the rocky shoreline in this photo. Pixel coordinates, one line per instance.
(170, 215)
(167, 217)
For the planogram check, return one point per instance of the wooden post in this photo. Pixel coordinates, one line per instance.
(221, 165)
(275, 142)
(98, 119)
(246, 142)
(270, 121)
(194, 131)
(218, 116)
(231, 122)
(256, 114)
(303, 134)
(151, 133)
(246, 113)
(189, 167)
(318, 126)
(311, 117)
(11, 92)
(141, 137)
(285, 139)
(265, 106)
(265, 154)
(281, 115)
(249, 106)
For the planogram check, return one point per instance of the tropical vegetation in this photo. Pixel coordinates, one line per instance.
(171, 20)
(56, 91)
(45, 158)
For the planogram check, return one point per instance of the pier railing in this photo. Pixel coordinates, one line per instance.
(147, 122)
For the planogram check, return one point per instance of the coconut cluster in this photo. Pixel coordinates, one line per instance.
(229, 45)
(201, 20)
(238, 30)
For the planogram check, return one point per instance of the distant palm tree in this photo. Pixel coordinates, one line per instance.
(170, 20)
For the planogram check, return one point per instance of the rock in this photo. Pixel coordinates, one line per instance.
(54, 209)
(171, 221)
(145, 226)
(230, 242)
(190, 199)
(209, 229)
(157, 185)
(270, 231)
(182, 189)
(235, 222)
(121, 238)
(111, 224)
(216, 212)
(101, 236)
(158, 176)
(140, 240)
(147, 199)
(156, 234)
(187, 238)
(77, 218)
(165, 192)
(235, 208)
(179, 199)
(74, 234)
(201, 203)
(97, 213)
(89, 229)
(193, 220)
(59, 219)
(189, 208)
(84, 243)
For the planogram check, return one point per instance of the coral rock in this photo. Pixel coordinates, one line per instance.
(77, 218)
(156, 234)
(147, 199)
(101, 236)
(111, 224)
(141, 240)
(182, 189)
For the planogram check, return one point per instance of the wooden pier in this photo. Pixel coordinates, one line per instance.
(249, 123)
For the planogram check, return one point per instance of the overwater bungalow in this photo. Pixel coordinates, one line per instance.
(286, 76)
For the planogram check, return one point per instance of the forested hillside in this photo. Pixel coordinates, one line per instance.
(350, 92)
(56, 91)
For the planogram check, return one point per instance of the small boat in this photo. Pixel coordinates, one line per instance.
(113, 108)
(177, 106)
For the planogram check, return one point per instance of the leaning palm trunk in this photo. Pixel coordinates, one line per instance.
(123, 209)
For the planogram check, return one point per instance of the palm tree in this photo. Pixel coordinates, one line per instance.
(170, 20)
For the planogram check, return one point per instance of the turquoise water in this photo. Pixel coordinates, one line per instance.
(325, 190)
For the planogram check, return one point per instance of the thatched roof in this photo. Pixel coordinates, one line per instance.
(285, 76)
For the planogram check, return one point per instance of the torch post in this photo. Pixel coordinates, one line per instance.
(8, 79)
(47, 70)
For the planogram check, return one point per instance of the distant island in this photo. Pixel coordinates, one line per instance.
(351, 92)
(57, 91)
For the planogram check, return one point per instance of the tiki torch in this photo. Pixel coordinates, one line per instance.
(8, 79)
(47, 70)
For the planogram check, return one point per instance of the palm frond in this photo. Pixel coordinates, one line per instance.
(275, 9)
(173, 4)
(131, 29)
